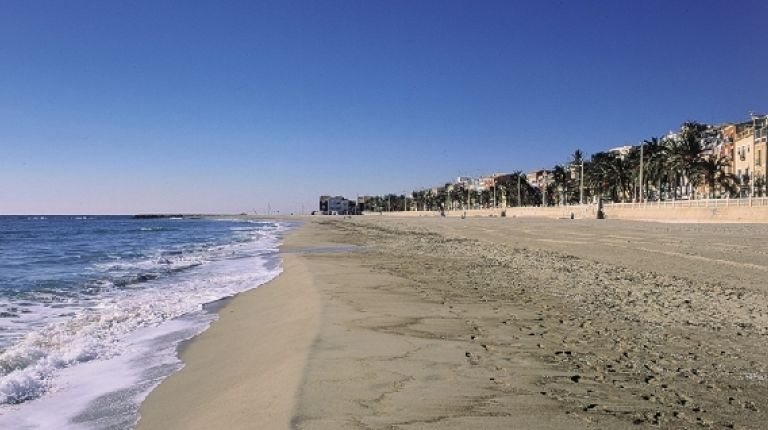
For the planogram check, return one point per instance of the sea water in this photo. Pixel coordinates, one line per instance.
(92, 309)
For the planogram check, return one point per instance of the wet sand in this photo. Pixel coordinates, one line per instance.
(243, 372)
(494, 323)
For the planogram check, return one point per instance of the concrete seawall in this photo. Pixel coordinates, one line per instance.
(629, 212)
(536, 212)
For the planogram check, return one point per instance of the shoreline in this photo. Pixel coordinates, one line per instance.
(266, 330)
(437, 323)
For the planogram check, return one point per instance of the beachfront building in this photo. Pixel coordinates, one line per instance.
(716, 143)
(533, 177)
(540, 178)
(337, 205)
(759, 154)
(494, 189)
(697, 161)
(750, 155)
(540, 181)
(621, 151)
(743, 160)
(369, 203)
(725, 148)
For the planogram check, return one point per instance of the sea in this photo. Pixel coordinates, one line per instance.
(93, 309)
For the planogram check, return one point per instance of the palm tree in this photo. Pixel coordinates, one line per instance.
(418, 199)
(673, 164)
(501, 192)
(713, 172)
(560, 179)
(631, 164)
(443, 198)
(486, 198)
(611, 174)
(429, 200)
(458, 194)
(596, 173)
(508, 187)
(759, 185)
(577, 157)
(655, 154)
(688, 152)
(576, 165)
(625, 171)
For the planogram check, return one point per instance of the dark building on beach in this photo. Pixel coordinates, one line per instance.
(337, 205)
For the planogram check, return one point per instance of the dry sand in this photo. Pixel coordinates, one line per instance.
(489, 323)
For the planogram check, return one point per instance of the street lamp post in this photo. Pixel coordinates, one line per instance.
(494, 192)
(754, 142)
(405, 201)
(642, 198)
(581, 183)
(469, 197)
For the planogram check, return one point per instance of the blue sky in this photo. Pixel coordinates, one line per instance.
(224, 106)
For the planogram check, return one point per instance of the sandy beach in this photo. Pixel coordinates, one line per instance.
(434, 323)
(242, 372)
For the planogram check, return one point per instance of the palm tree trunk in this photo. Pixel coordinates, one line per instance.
(660, 195)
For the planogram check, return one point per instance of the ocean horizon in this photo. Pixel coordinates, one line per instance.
(94, 308)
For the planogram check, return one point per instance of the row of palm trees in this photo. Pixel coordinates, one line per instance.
(670, 168)
(510, 190)
(681, 166)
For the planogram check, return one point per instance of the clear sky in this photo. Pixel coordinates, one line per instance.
(225, 106)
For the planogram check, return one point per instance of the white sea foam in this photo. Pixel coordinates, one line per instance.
(152, 228)
(123, 341)
(107, 393)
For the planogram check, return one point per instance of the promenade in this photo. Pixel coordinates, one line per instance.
(743, 210)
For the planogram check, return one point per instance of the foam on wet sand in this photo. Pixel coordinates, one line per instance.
(488, 323)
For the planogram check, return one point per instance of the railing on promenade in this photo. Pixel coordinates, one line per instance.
(583, 209)
(559, 211)
(698, 203)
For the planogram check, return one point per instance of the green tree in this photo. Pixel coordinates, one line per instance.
(609, 175)
(575, 168)
(560, 181)
(690, 152)
(655, 154)
(713, 172)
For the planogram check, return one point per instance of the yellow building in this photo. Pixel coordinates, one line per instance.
(759, 154)
(726, 148)
(750, 155)
(743, 158)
